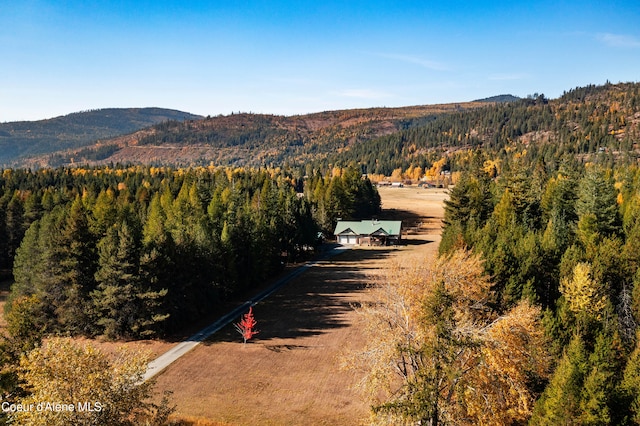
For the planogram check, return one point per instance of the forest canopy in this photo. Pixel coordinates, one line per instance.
(530, 314)
(133, 252)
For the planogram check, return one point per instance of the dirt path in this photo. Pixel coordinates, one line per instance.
(179, 350)
(290, 374)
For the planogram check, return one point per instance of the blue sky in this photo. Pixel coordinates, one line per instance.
(294, 57)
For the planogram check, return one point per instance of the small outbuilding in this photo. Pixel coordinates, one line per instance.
(371, 232)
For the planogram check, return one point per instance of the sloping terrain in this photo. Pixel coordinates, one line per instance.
(290, 373)
(252, 139)
(585, 122)
(24, 138)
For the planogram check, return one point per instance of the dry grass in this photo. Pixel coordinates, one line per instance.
(290, 374)
(196, 421)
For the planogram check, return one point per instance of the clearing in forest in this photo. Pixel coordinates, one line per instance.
(290, 372)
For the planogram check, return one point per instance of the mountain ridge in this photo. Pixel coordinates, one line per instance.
(78, 129)
(247, 139)
(499, 98)
(583, 121)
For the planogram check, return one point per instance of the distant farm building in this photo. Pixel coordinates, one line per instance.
(371, 232)
(392, 184)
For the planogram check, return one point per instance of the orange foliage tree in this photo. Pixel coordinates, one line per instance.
(246, 326)
(438, 353)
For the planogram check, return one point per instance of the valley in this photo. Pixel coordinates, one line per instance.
(144, 239)
(290, 374)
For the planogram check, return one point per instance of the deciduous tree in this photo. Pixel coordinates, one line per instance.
(585, 297)
(438, 353)
(247, 326)
(82, 377)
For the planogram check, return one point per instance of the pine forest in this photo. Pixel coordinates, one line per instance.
(530, 314)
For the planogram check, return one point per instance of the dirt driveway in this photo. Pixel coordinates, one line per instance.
(290, 374)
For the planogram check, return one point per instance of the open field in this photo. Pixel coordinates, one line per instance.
(290, 373)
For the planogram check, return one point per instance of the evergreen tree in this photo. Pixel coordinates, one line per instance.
(560, 402)
(37, 270)
(597, 207)
(467, 210)
(598, 391)
(32, 210)
(104, 212)
(27, 263)
(115, 297)
(630, 385)
(14, 224)
(75, 255)
(5, 260)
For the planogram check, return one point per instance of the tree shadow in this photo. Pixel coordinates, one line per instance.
(415, 242)
(311, 304)
(412, 223)
(406, 216)
(5, 289)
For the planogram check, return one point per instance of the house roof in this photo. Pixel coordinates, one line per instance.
(368, 227)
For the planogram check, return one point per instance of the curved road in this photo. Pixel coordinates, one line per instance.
(164, 360)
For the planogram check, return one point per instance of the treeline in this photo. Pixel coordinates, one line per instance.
(342, 194)
(141, 251)
(563, 235)
(590, 120)
(96, 153)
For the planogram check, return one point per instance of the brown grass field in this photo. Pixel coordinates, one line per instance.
(290, 373)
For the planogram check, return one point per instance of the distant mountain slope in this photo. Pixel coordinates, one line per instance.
(584, 121)
(500, 98)
(24, 138)
(252, 139)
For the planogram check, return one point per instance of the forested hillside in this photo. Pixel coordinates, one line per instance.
(550, 203)
(28, 138)
(583, 122)
(255, 140)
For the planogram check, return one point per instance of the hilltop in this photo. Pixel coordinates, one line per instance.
(246, 139)
(28, 138)
(584, 121)
(499, 98)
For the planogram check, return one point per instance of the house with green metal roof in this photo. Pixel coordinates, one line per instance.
(371, 232)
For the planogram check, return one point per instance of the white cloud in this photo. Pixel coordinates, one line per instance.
(619, 40)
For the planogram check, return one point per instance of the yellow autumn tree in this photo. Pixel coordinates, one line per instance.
(585, 297)
(413, 173)
(438, 353)
(396, 175)
(436, 169)
(70, 384)
(417, 173)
